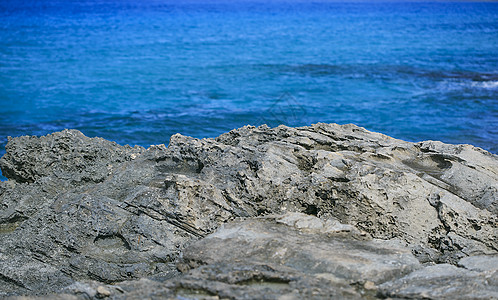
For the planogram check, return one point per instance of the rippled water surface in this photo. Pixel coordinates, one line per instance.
(138, 72)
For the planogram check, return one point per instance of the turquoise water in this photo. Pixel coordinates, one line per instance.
(136, 73)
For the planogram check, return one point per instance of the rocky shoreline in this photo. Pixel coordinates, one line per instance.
(318, 212)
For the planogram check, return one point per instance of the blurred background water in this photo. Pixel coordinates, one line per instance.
(136, 72)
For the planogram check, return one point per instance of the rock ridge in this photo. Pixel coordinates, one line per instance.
(315, 212)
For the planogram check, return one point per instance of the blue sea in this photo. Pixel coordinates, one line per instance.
(136, 72)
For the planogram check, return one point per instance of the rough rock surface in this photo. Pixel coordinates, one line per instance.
(257, 213)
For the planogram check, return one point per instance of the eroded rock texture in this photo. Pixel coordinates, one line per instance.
(257, 213)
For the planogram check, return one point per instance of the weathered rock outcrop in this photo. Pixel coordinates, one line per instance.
(310, 212)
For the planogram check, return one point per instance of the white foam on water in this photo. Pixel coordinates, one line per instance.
(449, 86)
(491, 85)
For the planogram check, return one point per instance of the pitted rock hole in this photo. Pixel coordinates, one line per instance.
(11, 224)
(111, 242)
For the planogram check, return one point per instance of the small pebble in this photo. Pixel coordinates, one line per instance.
(369, 285)
(102, 292)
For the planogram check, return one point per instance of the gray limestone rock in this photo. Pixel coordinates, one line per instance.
(480, 263)
(68, 155)
(78, 209)
(299, 252)
(444, 281)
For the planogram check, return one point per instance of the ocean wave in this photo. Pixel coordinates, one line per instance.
(489, 85)
(474, 88)
(382, 71)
